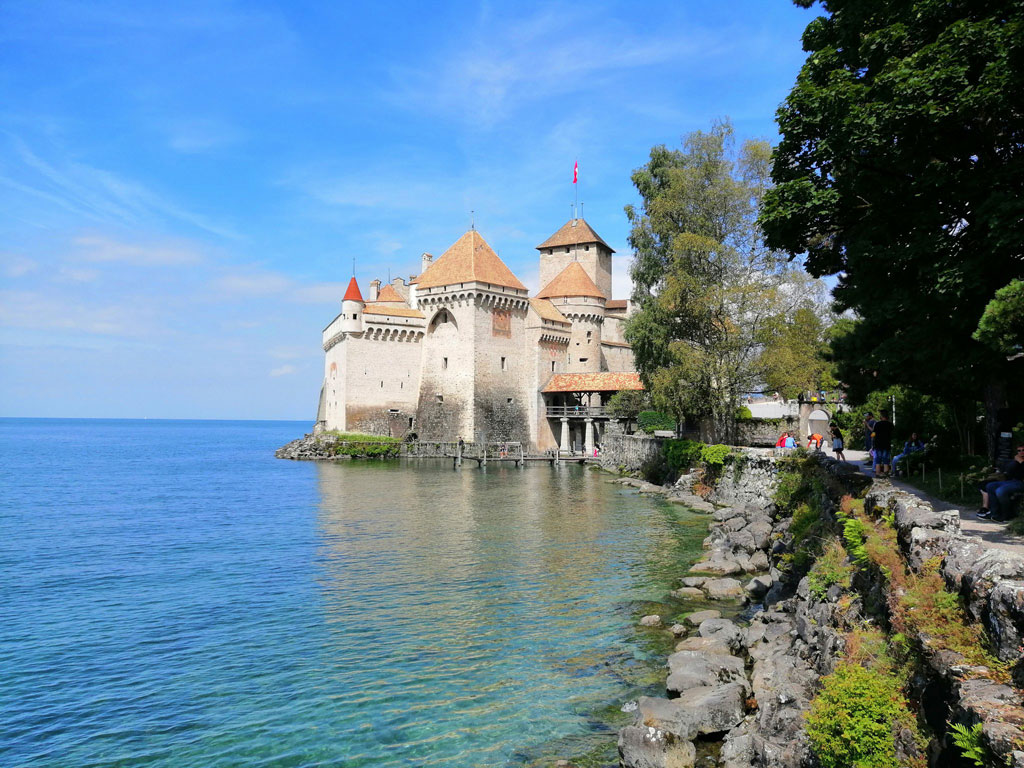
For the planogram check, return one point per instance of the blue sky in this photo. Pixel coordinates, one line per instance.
(183, 187)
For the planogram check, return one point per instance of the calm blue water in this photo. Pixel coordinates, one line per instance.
(175, 596)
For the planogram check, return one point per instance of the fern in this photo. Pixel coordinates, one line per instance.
(853, 534)
(969, 741)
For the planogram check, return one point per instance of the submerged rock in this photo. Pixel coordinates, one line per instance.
(648, 747)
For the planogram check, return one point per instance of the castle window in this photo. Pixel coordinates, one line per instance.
(444, 363)
(382, 385)
(509, 401)
(589, 334)
(567, 249)
(552, 366)
(440, 398)
(583, 359)
(504, 367)
(586, 247)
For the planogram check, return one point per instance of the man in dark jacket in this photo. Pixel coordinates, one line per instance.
(882, 442)
(995, 498)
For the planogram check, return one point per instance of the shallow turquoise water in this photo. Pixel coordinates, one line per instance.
(175, 596)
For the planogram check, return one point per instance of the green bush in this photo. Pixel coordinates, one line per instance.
(715, 454)
(649, 421)
(788, 489)
(854, 718)
(829, 569)
(682, 454)
(743, 414)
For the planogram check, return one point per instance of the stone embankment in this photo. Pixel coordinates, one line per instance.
(747, 685)
(308, 448)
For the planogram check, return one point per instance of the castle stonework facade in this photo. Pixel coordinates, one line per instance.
(463, 350)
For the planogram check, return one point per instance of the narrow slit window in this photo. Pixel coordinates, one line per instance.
(504, 365)
(444, 363)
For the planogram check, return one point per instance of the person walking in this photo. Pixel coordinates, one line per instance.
(869, 428)
(881, 441)
(837, 441)
(995, 497)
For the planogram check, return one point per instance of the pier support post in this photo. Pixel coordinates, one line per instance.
(563, 445)
(588, 437)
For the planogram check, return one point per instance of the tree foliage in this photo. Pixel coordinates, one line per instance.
(1002, 323)
(712, 299)
(901, 170)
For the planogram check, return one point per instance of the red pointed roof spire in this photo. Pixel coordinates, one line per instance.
(353, 294)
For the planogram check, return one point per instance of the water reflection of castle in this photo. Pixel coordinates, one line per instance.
(462, 349)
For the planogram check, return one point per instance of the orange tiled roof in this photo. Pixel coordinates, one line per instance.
(571, 281)
(548, 311)
(469, 259)
(572, 232)
(617, 304)
(388, 293)
(391, 309)
(353, 294)
(593, 382)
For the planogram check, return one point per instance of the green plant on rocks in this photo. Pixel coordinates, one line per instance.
(855, 718)
(829, 569)
(969, 742)
(715, 455)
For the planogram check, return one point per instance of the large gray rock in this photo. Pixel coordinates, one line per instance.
(717, 564)
(651, 621)
(705, 710)
(695, 619)
(723, 589)
(688, 593)
(717, 644)
(722, 630)
(643, 746)
(737, 749)
(758, 586)
(693, 581)
(695, 669)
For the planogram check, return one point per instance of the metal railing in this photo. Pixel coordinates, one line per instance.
(582, 411)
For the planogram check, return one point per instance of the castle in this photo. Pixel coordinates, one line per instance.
(463, 350)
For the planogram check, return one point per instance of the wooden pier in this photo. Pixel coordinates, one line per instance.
(485, 453)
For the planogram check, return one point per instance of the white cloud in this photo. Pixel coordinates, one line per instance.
(507, 64)
(17, 266)
(284, 370)
(97, 248)
(200, 135)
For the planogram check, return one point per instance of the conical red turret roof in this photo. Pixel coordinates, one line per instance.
(353, 294)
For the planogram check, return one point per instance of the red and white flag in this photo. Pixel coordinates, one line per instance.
(575, 171)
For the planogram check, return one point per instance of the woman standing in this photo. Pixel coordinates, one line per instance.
(837, 442)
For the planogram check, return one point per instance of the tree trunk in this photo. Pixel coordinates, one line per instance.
(995, 401)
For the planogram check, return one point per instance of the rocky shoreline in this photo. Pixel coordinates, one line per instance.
(747, 685)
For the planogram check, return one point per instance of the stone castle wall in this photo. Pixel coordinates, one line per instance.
(629, 453)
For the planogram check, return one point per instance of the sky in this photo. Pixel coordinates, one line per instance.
(184, 187)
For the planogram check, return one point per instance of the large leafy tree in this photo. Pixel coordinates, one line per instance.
(712, 299)
(901, 171)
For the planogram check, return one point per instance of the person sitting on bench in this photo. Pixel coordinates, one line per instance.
(995, 498)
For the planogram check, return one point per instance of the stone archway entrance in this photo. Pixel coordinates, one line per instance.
(814, 417)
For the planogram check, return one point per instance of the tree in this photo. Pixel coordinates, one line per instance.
(901, 170)
(711, 297)
(627, 404)
(1002, 323)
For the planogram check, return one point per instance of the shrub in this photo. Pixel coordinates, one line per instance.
(829, 569)
(682, 454)
(743, 414)
(854, 719)
(715, 455)
(804, 518)
(787, 489)
(649, 421)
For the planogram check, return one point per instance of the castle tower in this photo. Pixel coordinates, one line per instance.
(474, 373)
(578, 298)
(576, 241)
(352, 306)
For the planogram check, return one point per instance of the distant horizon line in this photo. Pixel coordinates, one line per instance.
(139, 418)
